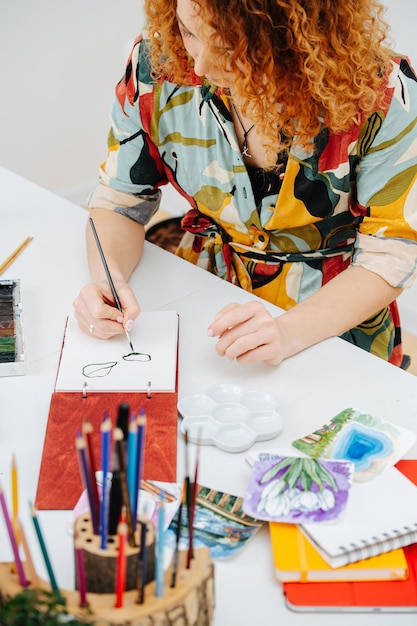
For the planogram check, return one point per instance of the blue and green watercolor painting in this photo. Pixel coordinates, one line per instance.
(370, 443)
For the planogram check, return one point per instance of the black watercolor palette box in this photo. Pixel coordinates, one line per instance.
(12, 356)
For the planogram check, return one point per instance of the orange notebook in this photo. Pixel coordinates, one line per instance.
(295, 559)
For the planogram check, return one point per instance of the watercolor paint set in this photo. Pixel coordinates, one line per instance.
(12, 357)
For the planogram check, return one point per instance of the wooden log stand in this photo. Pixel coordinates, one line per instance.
(189, 603)
(100, 565)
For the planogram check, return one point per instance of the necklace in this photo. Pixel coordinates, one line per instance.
(245, 148)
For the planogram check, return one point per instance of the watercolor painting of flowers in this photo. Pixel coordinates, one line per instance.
(297, 489)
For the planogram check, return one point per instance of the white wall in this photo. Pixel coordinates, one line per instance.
(59, 63)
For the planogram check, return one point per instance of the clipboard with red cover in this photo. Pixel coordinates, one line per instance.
(59, 483)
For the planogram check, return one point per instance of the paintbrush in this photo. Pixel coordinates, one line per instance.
(109, 278)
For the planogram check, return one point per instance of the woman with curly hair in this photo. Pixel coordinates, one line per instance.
(291, 129)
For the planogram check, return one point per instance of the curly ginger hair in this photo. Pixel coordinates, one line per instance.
(313, 61)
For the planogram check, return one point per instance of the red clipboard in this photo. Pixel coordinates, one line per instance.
(59, 483)
(398, 596)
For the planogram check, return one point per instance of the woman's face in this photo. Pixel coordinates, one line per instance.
(196, 36)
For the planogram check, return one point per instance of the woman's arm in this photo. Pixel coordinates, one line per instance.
(121, 205)
(122, 241)
(249, 333)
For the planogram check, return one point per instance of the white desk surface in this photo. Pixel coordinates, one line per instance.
(312, 387)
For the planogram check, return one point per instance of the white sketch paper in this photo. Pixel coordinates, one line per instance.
(155, 333)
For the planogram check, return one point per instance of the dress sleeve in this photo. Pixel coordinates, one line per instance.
(386, 180)
(132, 173)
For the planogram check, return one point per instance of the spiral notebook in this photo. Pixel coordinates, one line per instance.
(381, 515)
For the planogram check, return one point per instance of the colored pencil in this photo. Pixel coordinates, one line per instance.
(132, 459)
(44, 550)
(14, 255)
(118, 439)
(15, 502)
(87, 431)
(148, 486)
(15, 490)
(105, 430)
(81, 448)
(121, 561)
(141, 420)
(29, 567)
(142, 562)
(159, 561)
(115, 500)
(19, 567)
(80, 571)
(123, 415)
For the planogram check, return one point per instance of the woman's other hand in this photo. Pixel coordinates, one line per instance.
(248, 333)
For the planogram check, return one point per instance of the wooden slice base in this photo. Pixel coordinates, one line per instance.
(190, 602)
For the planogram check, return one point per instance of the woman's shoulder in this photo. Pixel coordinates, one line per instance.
(401, 81)
(401, 63)
(394, 117)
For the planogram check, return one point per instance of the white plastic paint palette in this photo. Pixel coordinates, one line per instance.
(231, 418)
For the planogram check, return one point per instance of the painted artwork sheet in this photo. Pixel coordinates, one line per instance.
(297, 489)
(220, 524)
(369, 442)
(110, 365)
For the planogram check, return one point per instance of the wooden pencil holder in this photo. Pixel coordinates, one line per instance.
(190, 602)
(100, 565)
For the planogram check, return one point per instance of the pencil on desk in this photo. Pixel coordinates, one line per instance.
(14, 255)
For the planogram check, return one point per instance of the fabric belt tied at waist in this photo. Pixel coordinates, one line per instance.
(201, 226)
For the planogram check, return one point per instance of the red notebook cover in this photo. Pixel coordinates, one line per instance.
(369, 596)
(59, 485)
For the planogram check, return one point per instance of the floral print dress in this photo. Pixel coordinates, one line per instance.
(350, 199)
